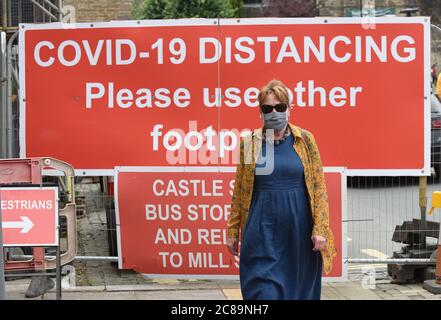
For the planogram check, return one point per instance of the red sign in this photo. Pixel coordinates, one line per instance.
(29, 216)
(160, 93)
(173, 222)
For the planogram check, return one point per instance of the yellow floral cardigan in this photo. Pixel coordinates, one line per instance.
(308, 152)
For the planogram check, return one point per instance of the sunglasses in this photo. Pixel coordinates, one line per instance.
(267, 108)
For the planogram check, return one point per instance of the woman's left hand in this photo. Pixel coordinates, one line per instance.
(319, 242)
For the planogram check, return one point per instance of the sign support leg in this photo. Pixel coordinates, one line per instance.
(58, 269)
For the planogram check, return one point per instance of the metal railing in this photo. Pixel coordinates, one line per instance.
(14, 12)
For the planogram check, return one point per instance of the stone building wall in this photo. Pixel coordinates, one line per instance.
(100, 10)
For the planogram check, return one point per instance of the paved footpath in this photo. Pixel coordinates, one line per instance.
(129, 287)
(352, 290)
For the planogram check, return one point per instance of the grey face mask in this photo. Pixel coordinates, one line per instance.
(275, 120)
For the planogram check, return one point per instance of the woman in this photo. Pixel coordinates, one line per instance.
(280, 207)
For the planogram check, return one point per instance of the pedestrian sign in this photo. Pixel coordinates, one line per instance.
(29, 216)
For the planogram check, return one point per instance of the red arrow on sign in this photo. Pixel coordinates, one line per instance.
(25, 224)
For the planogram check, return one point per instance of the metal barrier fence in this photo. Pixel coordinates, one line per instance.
(385, 220)
(376, 207)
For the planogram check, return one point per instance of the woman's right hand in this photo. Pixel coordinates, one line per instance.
(232, 244)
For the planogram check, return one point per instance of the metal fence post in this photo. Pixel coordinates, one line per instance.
(3, 147)
(9, 114)
(3, 94)
(4, 14)
(60, 10)
(423, 205)
(2, 271)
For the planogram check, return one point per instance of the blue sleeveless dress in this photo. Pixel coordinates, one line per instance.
(276, 257)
